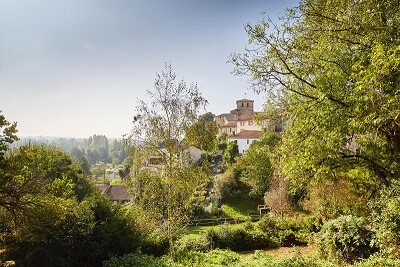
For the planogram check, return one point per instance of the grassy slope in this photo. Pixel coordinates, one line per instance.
(236, 208)
(240, 207)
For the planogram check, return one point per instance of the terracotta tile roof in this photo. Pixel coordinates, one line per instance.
(115, 192)
(103, 188)
(245, 99)
(119, 193)
(247, 134)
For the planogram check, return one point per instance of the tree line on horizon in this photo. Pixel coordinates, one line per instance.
(96, 148)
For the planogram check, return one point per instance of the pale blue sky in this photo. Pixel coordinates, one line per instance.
(75, 68)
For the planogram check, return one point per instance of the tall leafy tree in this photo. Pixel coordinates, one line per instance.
(58, 217)
(10, 193)
(332, 69)
(231, 152)
(203, 133)
(8, 132)
(162, 124)
(255, 165)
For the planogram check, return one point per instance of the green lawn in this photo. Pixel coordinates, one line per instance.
(240, 207)
(235, 208)
(195, 231)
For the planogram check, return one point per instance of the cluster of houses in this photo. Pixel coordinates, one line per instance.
(239, 125)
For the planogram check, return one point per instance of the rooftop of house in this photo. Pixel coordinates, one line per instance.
(247, 134)
(115, 192)
(229, 124)
(244, 100)
(103, 187)
(227, 116)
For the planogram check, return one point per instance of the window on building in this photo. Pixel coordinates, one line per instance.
(242, 104)
(247, 104)
(247, 141)
(250, 123)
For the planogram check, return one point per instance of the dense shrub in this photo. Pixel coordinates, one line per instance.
(388, 227)
(216, 258)
(346, 238)
(62, 232)
(239, 238)
(131, 260)
(213, 258)
(289, 231)
(228, 185)
(155, 244)
(225, 184)
(386, 220)
(188, 243)
(377, 260)
(227, 237)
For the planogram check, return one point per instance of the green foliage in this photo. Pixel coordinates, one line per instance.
(117, 181)
(234, 237)
(331, 68)
(7, 134)
(156, 242)
(255, 166)
(290, 231)
(238, 238)
(202, 133)
(217, 258)
(189, 243)
(222, 142)
(386, 221)
(32, 171)
(173, 109)
(378, 260)
(96, 148)
(131, 260)
(162, 124)
(231, 152)
(62, 232)
(229, 186)
(226, 185)
(152, 193)
(388, 231)
(51, 165)
(346, 239)
(57, 218)
(212, 258)
(240, 206)
(348, 194)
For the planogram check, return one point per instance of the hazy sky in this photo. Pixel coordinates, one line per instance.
(75, 68)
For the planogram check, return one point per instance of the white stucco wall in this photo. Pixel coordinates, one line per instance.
(243, 144)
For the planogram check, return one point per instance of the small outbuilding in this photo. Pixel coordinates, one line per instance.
(116, 193)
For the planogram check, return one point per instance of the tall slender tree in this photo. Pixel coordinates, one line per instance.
(162, 125)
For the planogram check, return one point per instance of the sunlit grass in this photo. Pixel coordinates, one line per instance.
(240, 207)
(196, 231)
